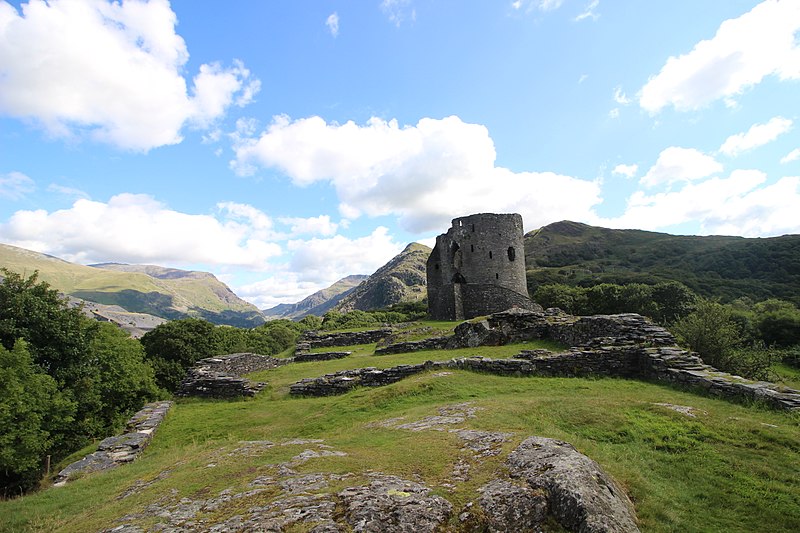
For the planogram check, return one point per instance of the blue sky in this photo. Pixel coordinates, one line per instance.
(283, 145)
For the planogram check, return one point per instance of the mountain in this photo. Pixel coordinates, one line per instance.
(716, 266)
(164, 292)
(318, 303)
(402, 279)
(136, 324)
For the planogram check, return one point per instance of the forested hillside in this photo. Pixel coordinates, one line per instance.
(717, 266)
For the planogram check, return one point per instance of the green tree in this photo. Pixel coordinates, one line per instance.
(34, 415)
(569, 299)
(711, 332)
(673, 301)
(57, 335)
(173, 347)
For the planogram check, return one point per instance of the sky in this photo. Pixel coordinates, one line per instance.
(283, 145)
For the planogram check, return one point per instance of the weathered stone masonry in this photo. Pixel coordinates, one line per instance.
(626, 345)
(478, 268)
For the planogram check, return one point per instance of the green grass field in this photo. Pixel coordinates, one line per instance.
(731, 467)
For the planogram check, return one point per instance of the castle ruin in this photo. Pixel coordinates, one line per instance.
(478, 268)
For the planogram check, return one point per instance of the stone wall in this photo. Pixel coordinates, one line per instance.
(120, 449)
(220, 377)
(316, 339)
(625, 345)
(319, 356)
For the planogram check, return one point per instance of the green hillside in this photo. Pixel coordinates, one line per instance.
(402, 279)
(167, 293)
(727, 467)
(715, 266)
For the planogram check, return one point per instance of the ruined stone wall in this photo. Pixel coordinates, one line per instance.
(478, 267)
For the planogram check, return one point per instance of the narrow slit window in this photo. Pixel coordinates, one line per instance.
(471, 247)
(512, 253)
(490, 255)
(496, 275)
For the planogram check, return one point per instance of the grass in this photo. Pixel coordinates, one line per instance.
(730, 468)
(787, 375)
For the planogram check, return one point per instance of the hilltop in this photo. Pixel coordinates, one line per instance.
(163, 292)
(715, 266)
(402, 279)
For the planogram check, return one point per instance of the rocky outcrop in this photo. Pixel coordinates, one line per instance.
(579, 494)
(392, 504)
(220, 377)
(120, 449)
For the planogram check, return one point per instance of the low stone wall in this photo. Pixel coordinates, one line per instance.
(319, 356)
(341, 382)
(434, 343)
(667, 364)
(220, 377)
(316, 339)
(120, 449)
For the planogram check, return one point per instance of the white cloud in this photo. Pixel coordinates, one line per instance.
(320, 225)
(327, 260)
(620, 97)
(549, 5)
(281, 287)
(109, 71)
(743, 204)
(588, 11)
(794, 155)
(426, 174)
(628, 171)
(744, 50)
(399, 11)
(15, 185)
(136, 228)
(676, 164)
(332, 22)
(757, 135)
(67, 191)
(614, 113)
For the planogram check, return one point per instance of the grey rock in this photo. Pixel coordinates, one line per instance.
(509, 506)
(581, 496)
(390, 504)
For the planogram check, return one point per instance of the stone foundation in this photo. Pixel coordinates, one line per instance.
(316, 339)
(625, 345)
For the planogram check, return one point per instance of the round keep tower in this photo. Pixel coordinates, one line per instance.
(478, 267)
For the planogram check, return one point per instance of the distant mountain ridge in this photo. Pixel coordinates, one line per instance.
(402, 279)
(318, 303)
(148, 289)
(723, 267)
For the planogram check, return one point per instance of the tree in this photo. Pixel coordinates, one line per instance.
(173, 347)
(34, 415)
(673, 301)
(711, 332)
(57, 335)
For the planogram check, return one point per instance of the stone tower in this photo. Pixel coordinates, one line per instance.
(478, 268)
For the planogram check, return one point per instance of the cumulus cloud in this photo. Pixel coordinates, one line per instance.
(320, 225)
(136, 228)
(794, 155)
(677, 164)
(332, 22)
(110, 71)
(757, 135)
(743, 204)
(628, 171)
(426, 174)
(743, 52)
(15, 185)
